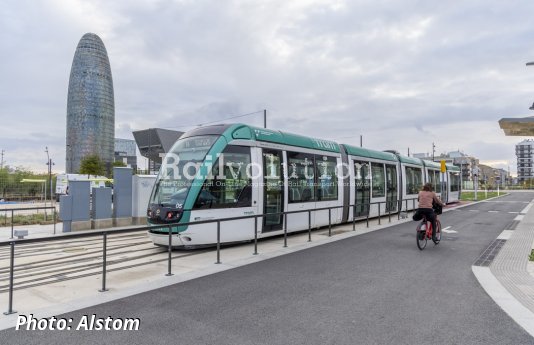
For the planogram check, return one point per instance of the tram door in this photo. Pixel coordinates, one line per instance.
(273, 190)
(445, 186)
(363, 189)
(391, 188)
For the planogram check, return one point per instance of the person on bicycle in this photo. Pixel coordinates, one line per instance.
(426, 199)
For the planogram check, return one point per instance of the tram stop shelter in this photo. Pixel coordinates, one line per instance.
(521, 126)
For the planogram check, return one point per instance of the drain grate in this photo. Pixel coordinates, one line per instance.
(486, 258)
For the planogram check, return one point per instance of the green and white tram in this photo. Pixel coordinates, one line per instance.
(226, 171)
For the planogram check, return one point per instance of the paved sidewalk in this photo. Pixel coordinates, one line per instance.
(508, 279)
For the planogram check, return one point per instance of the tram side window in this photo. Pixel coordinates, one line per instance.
(229, 184)
(326, 178)
(455, 182)
(379, 180)
(413, 180)
(433, 179)
(301, 177)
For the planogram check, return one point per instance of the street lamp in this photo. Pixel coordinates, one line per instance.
(49, 163)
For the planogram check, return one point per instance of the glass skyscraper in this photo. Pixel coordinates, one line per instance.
(90, 105)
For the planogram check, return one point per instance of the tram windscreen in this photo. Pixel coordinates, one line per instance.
(178, 170)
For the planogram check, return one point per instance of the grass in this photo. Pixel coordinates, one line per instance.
(531, 258)
(481, 195)
(38, 218)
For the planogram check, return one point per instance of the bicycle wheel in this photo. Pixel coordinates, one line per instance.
(438, 232)
(421, 238)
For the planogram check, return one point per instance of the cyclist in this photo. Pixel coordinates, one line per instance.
(426, 200)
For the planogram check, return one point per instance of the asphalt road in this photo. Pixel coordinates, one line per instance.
(376, 288)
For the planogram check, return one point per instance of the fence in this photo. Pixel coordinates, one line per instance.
(104, 233)
(12, 212)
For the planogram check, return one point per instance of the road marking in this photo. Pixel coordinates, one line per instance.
(526, 209)
(519, 217)
(505, 235)
(493, 211)
(513, 212)
(474, 210)
(449, 231)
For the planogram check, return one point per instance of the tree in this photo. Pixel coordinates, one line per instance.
(92, 165)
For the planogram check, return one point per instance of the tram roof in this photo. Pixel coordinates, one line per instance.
(363, 152)
(240, 131)
(431, 164)
(452, 167)
(411, 160)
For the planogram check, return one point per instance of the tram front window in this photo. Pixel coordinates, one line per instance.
(177, 174)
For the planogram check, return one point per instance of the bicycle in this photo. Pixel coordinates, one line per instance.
(424, 232)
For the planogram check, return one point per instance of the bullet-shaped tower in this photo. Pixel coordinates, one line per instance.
(90, 105)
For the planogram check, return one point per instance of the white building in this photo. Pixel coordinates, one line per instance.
(525, 157)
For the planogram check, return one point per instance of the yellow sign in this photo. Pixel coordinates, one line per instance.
(443, 167)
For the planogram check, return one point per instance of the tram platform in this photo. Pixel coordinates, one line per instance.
(64, 296)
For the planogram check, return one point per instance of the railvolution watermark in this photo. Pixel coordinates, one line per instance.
(224, 166)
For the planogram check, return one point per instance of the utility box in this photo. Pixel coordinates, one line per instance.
(65, 212)
(101, 211)
(122, 196)
(80, 191)
(142, 188)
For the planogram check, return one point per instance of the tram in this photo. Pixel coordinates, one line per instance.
(236, 170)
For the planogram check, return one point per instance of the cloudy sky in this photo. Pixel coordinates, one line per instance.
(401, 73)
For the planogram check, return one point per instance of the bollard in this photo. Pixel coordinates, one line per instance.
(104, 263)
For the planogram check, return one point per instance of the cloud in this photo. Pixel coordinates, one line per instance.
(402, 74)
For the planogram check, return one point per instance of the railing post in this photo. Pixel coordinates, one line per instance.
(12, 236)
(379, 223)
(104, 262)
(255, 235)
(218, 242)
(354, 218)
(11, 278)
(309, 225)
(389, 213)
(285, 230)
(169, 273)
(55, 220)
(413, 205)
(368, 211)
(329, 222)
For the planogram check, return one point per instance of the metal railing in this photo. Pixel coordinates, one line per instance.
(104, 233)
(13, 210)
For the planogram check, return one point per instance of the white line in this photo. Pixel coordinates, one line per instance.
(519, 313)
(513, 212)
(474, 210)
(493, 211)
(526, 209)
